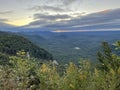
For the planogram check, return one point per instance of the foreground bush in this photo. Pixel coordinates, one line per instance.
(25, 74)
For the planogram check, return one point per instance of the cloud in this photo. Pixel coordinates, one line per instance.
(55, 5)
(5, 12)
(103, 19)
(58, 2)
(43, 20)
(68, 2)
(38, 23)
(46, 8)
(94, 19)
(7, 27)
(51, 17)
(3, 20)
(4, 25)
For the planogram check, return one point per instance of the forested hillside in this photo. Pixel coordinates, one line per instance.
(72, 46)
(10, 44)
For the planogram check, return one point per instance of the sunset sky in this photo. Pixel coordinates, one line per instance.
(60, 14)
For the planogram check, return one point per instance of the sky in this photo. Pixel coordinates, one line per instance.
(60, 14)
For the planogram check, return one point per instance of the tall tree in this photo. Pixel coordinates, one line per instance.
(108, 60)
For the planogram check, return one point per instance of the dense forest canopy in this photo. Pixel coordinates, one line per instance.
(11, 44)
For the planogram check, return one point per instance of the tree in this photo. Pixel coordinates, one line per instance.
(108, 60)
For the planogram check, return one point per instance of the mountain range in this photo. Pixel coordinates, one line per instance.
(72, 46)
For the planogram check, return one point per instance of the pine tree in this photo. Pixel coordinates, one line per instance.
(105, 57)
(108, 60)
